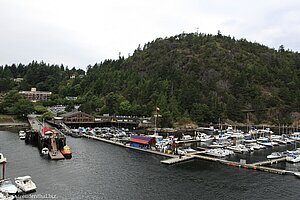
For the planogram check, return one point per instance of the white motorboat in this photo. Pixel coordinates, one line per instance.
(7, 186)
(295, 136)
(204, 137)
(2, 159)
(264, 141)
(189, 150)
(219, 152)
(297, 174)
(25, 184)
(292, 156)
(186, 137)
(6, 196)
(275, 155)
(238, 148)
(45, 151)
(22, 135)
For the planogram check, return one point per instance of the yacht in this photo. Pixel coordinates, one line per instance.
(22, 135)
(25, 184)
(2, 158)
(7, 186)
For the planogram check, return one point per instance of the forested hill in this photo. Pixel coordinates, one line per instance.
(205, 77)
(193, 76)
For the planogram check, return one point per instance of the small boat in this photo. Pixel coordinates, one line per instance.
(219, 152)
(22, 135)
(292, 156)
(25, 184)
(204, 137)
(275, 155)
(186, 137)
(189, 150)
(45, 151)
(265, 141)
(7, 186)
(2, 158)
(66, 151)
(6, 196)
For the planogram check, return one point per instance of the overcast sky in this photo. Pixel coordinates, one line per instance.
(82, 32)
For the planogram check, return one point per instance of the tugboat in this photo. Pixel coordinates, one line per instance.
(66, 151)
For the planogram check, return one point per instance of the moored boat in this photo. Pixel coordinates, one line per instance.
(7, 186)
(2, 158)
(45, 151)
(25, 184)
(264, 141)
(22, 135)
(275, 155)
(293, 156)
(66, 151)
(297, 174)
(6, 196)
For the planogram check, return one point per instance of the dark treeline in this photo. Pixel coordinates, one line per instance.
(196, 77)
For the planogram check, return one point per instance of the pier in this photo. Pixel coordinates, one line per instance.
(41, 137)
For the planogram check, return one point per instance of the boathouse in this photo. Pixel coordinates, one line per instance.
(142, 141)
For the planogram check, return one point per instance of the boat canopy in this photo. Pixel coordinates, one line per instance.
(47, 130)
(142, 140)
(23, 178)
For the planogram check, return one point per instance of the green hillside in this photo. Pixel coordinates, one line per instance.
(201, 77)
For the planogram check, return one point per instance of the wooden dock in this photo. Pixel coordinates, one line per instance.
(56, 155)
(269, 162)
(197, 155)
(176, 160)
(186, 141)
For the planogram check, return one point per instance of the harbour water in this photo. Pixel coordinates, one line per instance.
(99, 170)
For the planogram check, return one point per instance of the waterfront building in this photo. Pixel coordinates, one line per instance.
(142, 141)
(78, 117)
(35, 95)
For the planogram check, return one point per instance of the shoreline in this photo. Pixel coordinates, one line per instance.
(14, 124)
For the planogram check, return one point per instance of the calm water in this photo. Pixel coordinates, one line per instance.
(103, 171)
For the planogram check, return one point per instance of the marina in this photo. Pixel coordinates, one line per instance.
(106, 167)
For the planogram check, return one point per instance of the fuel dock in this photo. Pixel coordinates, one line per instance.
(45, 137)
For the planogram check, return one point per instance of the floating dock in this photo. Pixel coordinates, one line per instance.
(173, 159)
(129, 147)
(177, 160)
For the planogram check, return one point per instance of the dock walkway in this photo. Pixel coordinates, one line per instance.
(129, 147)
